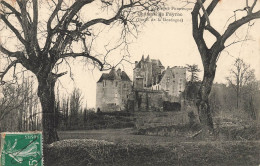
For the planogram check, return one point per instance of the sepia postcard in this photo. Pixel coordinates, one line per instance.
(129, 82)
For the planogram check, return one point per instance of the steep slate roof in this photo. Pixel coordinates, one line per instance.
(124, 76)
(157, 62)
(104, 76)
(112, 75)
(154, 62)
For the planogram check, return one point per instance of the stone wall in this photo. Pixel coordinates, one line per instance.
(142, 100)
(112, 95)
(148, 100)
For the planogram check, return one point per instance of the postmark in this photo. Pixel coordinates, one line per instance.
(24, 148)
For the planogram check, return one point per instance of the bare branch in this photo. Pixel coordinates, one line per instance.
(250, 10)
(61, 74)
(235, 42)
(17, 14)
(84, 54)
(14, 30)
(206, 15)
(106, 21)
(2, 74)
(9, 53)
(236, 24)
(119, 15)
(213, 31)
(34, 30)
(49, 29)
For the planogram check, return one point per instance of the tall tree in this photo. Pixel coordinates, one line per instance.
(193, 69)
(200, 23)
(75, 106)
(41, 53)
(241, 74)
(250, 98)
(16, 100)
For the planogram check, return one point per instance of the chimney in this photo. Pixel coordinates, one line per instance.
(119, 72)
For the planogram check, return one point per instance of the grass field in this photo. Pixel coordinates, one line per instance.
(123, 147)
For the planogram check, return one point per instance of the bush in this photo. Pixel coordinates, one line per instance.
(102, 120)
(173, 130)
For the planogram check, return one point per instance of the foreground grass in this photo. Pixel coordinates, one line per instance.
(234, 144)
(96, 152)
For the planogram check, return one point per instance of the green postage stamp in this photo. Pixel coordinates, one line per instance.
(21, 149)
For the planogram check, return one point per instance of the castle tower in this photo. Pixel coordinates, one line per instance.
(113, 90)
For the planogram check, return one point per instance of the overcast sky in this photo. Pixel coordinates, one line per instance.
(173, 44)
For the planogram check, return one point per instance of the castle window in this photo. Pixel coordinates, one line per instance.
(116, 83)
(168, 79)
(124, 85)
(104, 83)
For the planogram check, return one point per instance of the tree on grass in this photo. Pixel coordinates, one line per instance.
(240, 75)
(17, 103)
(201, 22)
(75, 106)
(43, 43)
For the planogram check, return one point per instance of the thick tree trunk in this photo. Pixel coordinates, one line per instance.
(47, 99)
(205, 114)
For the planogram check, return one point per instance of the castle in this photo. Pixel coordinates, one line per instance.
(113, 90)
(152, 87)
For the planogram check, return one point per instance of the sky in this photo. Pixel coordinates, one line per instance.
(173, 44)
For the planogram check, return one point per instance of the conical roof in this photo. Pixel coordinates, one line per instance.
(113, 75)
(148, 59)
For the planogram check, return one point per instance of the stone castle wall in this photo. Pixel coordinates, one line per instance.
(112, 95)
(148, 100)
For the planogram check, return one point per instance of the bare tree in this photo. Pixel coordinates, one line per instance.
(75, 106)
(200, 23)
(16, 101)
(41, 53)
(250, 97)
(241, 74)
